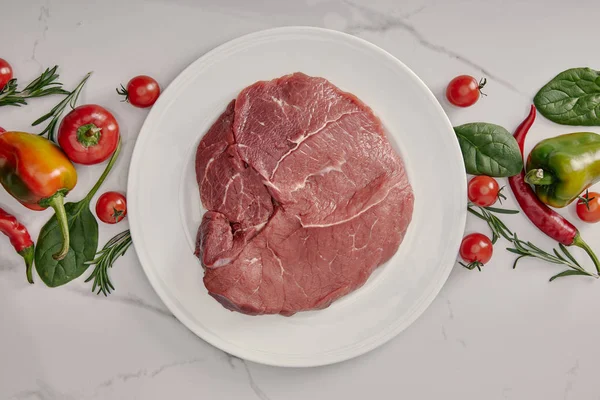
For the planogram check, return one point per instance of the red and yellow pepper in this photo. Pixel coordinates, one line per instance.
(38, 174)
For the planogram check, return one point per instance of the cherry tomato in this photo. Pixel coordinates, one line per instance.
(483, 190)
(111, 207)
(6, 73)
(476, 249)
(142, 91)
(591, 211)
(2, 130)
(89, 134)
(464, 90)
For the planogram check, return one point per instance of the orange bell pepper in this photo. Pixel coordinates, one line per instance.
(38, 174)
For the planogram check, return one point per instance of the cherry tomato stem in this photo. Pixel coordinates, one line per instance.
(483, 191)
(588, 207)
(476, 249)
(111, 207)
(464, 90)
(142, 91)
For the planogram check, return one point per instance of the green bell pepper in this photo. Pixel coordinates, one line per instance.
(562, 167)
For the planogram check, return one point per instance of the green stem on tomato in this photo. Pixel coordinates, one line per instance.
(88, 135)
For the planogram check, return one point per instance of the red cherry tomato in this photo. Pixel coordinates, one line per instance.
(476, 249)
(591, 211)
(2, 130)
(142, 91)
(464, 90)
(483, 191)
(89, 134)
(6, 73)
(111, 207)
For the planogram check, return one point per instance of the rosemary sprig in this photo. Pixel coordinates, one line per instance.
(528, 249)
(43, 85)
(56, 112)
(498, 228)
(523, 248)
(105, 259)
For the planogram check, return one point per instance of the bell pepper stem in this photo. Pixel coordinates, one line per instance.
(58, 204)
(539, 177)
(27, 254)
(579, 242)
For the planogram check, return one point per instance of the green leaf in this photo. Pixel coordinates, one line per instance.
(568, 254)
(501, 210)
(571, 98)
(469, 209)
(489, 149)
(568, 272)
(518, 258)
(83, 230)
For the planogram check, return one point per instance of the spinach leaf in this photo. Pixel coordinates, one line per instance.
(83, 230)
(571, 98)
(489, 149)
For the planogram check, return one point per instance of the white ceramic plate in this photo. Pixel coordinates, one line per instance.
(165, 210)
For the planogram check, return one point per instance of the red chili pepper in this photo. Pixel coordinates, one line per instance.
(19, 238)
(547, 220)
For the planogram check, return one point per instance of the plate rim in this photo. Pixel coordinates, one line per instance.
(180, 315)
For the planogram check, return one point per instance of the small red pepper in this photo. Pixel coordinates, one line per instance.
(547, 220)
(19, 238)
(38, 174)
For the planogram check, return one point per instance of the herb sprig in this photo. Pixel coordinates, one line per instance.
(56, 112)
(105, 258)
(524, 248)
(528, 249)
(43, 85)
(498, 228)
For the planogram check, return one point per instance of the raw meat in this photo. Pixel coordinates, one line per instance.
(306, 197)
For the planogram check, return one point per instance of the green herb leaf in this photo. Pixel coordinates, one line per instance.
(498, 228)
(571, 98)
(568, 272)
(83, 230)
(44, 85)
(56, 112)
(115, 248)
(489, 149)
(528, 249)
(501, 210)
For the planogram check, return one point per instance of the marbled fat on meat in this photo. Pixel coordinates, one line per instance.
(306, 197)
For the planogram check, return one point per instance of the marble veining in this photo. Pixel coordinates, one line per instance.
(380, 22)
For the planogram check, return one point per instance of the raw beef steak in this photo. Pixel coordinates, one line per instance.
(306, 197)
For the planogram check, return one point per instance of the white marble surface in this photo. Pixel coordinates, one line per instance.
(499, 334)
